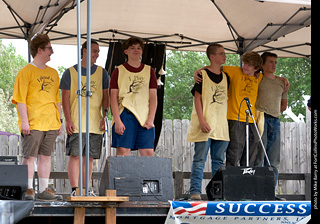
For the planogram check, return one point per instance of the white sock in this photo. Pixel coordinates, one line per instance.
(30, 183)
(43, 184)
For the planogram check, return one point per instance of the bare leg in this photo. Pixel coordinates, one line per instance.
(123, 151)
(73, 171)
(146, 152)
(44, 166)
(30, 163)
(84, 170)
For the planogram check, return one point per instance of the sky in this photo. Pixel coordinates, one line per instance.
(64, 55)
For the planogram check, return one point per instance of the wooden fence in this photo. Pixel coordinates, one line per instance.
(295, 153)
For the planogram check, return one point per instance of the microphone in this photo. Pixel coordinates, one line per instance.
(248, 104)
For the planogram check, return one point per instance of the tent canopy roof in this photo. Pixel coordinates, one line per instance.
(239, 25)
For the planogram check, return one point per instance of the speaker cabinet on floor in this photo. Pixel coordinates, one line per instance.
(242, 183)
(139, 177)
(13, 181)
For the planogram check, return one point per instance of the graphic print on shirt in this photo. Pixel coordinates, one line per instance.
(219, 94)
(136, 84)
(248, 87)
(46, 83)
(93, 87)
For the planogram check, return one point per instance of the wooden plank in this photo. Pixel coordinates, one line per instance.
(13, 145)
(79, 215)
(168, 139)
(96, 199)
(177, 146)
(4, 146)
(111, 213)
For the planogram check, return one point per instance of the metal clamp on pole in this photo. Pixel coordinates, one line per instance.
(89, 93)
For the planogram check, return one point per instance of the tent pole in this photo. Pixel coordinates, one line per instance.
(79, 93)
(88, 93)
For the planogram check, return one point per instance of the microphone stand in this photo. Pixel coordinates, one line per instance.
(248, 111)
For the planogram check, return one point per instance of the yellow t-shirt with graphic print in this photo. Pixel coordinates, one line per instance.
(241, 86)
(39, 90)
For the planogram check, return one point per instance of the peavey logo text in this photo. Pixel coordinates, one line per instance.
(248, 171)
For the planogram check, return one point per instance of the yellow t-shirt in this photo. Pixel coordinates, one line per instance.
(39, 90)
(214, 104)
(96, 113)
(241, 86)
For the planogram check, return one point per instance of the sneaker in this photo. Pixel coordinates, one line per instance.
(49, 195)
(29, 195)
(195, 197)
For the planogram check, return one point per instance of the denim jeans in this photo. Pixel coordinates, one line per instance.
(217, 153)
(271, 142)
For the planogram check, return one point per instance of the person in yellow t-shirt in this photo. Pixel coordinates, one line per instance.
(244, 83)
(36, 96)
(208, 127)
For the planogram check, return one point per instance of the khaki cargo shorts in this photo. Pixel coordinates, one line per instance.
(38, 143)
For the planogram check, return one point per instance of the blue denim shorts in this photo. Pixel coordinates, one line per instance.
(135, 136)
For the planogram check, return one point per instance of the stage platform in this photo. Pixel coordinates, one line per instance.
(145, 211)
(59, 212)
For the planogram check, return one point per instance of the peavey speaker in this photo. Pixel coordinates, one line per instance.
(234, 183)
(141, 178)
(13, 181)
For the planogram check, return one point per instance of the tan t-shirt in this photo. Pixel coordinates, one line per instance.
(270, 94)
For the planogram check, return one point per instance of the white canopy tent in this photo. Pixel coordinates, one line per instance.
(283, 26)
(240, 25)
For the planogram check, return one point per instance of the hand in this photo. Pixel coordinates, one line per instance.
(69, 128)
(205, 128)
(61, 129)
(119, 128)
(25, 128)
(197, 76)
(148, 125)
(286, 85)
(102, 125)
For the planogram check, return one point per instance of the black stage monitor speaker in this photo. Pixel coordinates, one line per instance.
(139, 177)
(13, 181)
(234, 183)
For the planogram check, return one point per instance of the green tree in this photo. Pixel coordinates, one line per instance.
(298, 72)
(10, 64)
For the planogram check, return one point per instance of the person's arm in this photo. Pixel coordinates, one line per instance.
(286, 83)
(198, 105)
(25, 126)
(66, 111)
(196, 77)
(283, 106)
(119, 126)
(152, 108)
(59, 110)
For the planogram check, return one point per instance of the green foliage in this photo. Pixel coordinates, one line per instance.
(298, 72)
(10, 64)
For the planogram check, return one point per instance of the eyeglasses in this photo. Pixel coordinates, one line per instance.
(50, 48)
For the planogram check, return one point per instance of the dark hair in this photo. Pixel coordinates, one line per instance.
(131, 41)
(39, 41)
(212, 49)
(267, 54)
(84, 46)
